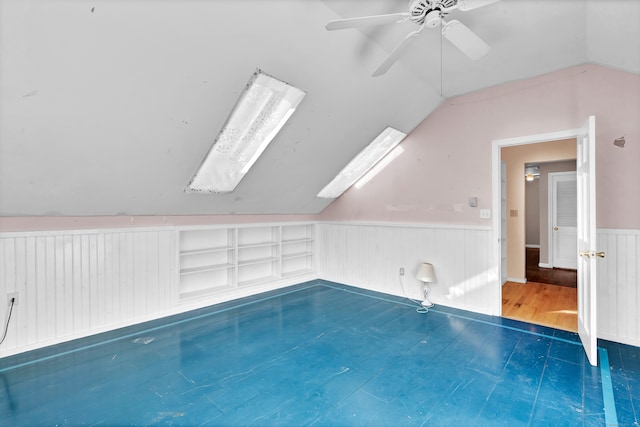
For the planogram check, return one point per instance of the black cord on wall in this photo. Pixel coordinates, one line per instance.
(6, 327)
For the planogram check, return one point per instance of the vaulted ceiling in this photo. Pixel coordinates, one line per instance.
(108, 106)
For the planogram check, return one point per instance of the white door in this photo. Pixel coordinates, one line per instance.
(585, 165)
(563, 221)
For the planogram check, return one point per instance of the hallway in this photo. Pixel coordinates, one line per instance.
(542, 304)
(549, 297)
(553, 276)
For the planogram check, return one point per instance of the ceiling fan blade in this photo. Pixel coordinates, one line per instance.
(341, 24)
(465, 5)
(464, 39)
(396, 52)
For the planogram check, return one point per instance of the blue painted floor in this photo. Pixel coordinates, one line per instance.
(322, 354)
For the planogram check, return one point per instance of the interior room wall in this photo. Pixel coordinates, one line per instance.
(447, 158)
(532, 212)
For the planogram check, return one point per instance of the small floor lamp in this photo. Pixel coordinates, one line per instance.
(427, 275)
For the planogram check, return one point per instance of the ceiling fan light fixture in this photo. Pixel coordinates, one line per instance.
(429, 14)
(433, 18)
(531, 172)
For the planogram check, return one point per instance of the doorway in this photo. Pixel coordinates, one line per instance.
(584, 148)
(541, 287)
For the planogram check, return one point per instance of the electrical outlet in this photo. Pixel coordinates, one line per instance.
(11, 295)
(402, 271)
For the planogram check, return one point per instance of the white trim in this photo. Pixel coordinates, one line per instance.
(57, 232)
(241, 225)
(8, 234)
(544, 265)
(512, 279)
(496, 146)
(408, 225)
(625, 231)
(80, 231)
(620, 339)
(531, 246)
(542, 137)
(29, 233)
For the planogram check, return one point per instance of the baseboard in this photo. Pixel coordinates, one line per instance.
(544, 265)
(511, 279)
(532, 246)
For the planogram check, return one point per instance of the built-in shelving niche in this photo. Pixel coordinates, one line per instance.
(214, 260)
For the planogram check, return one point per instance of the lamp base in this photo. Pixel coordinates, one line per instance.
(426, 303)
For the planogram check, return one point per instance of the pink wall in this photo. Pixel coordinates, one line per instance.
(447, 158)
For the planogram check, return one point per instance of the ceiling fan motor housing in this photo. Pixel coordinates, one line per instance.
(433, 18)
(430, 12)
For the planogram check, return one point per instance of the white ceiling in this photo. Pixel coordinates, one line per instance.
(108, 106)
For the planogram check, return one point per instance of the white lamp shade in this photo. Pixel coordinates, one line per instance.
(426, 273)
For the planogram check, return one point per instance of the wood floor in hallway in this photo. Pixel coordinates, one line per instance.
(541, 304)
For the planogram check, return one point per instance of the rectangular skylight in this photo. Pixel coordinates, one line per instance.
(365, 160)
(262, 109)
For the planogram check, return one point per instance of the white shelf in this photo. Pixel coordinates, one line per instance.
(216, 259)
(204, 268)
(258, 245)
(257, 261)
(205, 251)
(297, 255)
(293, 241)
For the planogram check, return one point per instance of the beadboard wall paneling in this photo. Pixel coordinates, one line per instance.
(76, 283)
(618, 275)
(370, 256)
(72, 284)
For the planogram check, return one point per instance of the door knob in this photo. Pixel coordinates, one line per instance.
(555, 228)
(592, 254)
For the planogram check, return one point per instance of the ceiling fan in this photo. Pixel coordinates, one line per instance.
(430, 14)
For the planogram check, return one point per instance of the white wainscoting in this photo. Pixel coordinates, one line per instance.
(76, 283)
(619, 286)
(370, 256)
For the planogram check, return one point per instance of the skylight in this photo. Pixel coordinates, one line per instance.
(263, 108)
(362, 163)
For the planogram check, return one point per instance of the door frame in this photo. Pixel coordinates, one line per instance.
(496, 146)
